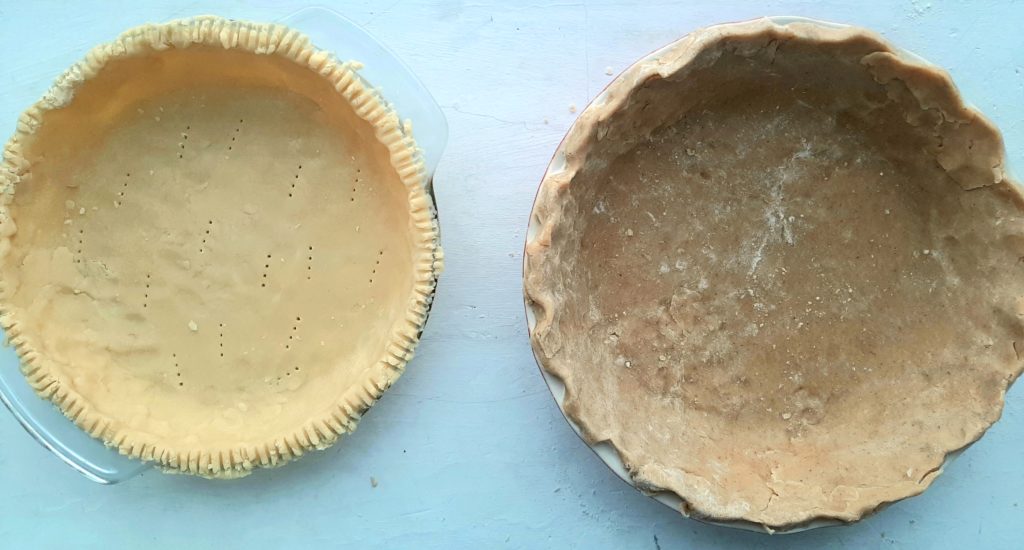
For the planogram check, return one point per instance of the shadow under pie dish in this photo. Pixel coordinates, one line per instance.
(217, 245)
(777, 269)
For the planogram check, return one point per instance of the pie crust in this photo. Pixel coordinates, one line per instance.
(217, 245)
(780, 269)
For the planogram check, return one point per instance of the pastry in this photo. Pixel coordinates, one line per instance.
(780, 270)
(217, 245)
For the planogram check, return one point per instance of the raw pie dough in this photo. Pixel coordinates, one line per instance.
(217, 246)
(781, 273)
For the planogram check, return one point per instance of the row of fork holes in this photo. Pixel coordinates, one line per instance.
(181, 144)
(124, 185)
(209, 226)
(291, 191)
(291, 338)
(353, 197)
(234, 137)
(380, 254)
(81, 239)
(294, 333)
(286, 373)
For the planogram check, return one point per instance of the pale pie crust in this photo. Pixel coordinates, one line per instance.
(217, 247)
(780, 272)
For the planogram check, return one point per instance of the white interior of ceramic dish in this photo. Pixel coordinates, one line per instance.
(332, 32)
(604, 450)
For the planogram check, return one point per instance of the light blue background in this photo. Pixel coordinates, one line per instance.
(469, 448)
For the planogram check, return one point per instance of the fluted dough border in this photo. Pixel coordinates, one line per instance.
(325, 428)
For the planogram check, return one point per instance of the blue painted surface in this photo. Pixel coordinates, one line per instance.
(468, 448)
